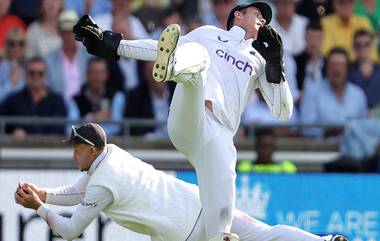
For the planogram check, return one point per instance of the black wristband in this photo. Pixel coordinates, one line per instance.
(104, 47)
(274, 73)
(111, 42)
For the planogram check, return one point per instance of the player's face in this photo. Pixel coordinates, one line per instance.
(83, 155)
(250, 19)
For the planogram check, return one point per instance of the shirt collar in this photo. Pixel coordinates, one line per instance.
(97, 161)
(238, 32)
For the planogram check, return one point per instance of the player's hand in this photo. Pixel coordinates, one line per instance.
(39, 191)
(86, 27)
(269, 45)
(27, 198)
(89, 33)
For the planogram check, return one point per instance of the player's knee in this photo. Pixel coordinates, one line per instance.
(191, 57)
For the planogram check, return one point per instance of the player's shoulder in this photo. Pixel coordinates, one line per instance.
(209, 29)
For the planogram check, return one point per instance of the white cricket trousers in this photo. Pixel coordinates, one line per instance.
(250, 229)
(194, 131)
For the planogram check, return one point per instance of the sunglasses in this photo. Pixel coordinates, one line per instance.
(75, 134)
(36, 73)
(362, 45)
(16, 43)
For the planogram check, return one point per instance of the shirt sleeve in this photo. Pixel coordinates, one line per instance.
(96, 199)
(68, 195)
(146, 49)
(142, 49)
(277, 97)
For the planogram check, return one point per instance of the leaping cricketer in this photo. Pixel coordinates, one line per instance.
(216, 71)
(138, 197)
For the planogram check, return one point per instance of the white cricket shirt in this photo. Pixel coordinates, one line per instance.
(236, 69)
(130, 192)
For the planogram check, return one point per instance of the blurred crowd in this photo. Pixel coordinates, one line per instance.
(331, 52)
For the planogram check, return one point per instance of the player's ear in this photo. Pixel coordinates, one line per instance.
(237, 14)
(262, 21)
(92, 149)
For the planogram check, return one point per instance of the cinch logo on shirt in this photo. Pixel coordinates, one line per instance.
(240, 65)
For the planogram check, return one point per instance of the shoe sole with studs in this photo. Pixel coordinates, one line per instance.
(166, 47)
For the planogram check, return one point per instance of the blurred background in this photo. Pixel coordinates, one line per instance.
(317, 171)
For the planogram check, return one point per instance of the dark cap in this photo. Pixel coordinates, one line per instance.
(91, 134)
(262, 6)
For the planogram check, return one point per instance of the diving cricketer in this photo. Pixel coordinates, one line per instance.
(138, 197)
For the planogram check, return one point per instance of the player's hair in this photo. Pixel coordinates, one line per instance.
(99, 148)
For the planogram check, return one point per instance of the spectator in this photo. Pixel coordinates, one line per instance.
(28, 11)
(42, 35)
(314, 10)
(264, 147)
(364, 72)
(149, 13)
(124, 73)
(12, 68)
(94, 100)
(91, 7)
(339, 28)
(219, 14)
(334, 100)
(369, 9)
(310, 63)
(169, 16)
(7, 22)
(67, 65)
(35, 99)
(93, 103)
(122, 8)
(192, 22)
(150, 100)
(290, 25)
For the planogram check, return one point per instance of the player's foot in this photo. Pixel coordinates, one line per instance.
(225, 237)
(167, 44)
(339, 238)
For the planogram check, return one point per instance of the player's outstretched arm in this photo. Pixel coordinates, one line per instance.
(68, 195)
(110, 45)
(96, 199)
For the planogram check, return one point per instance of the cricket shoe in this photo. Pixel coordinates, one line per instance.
(339, 238)
(225, 237)
(167, 45)
(178, 64)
